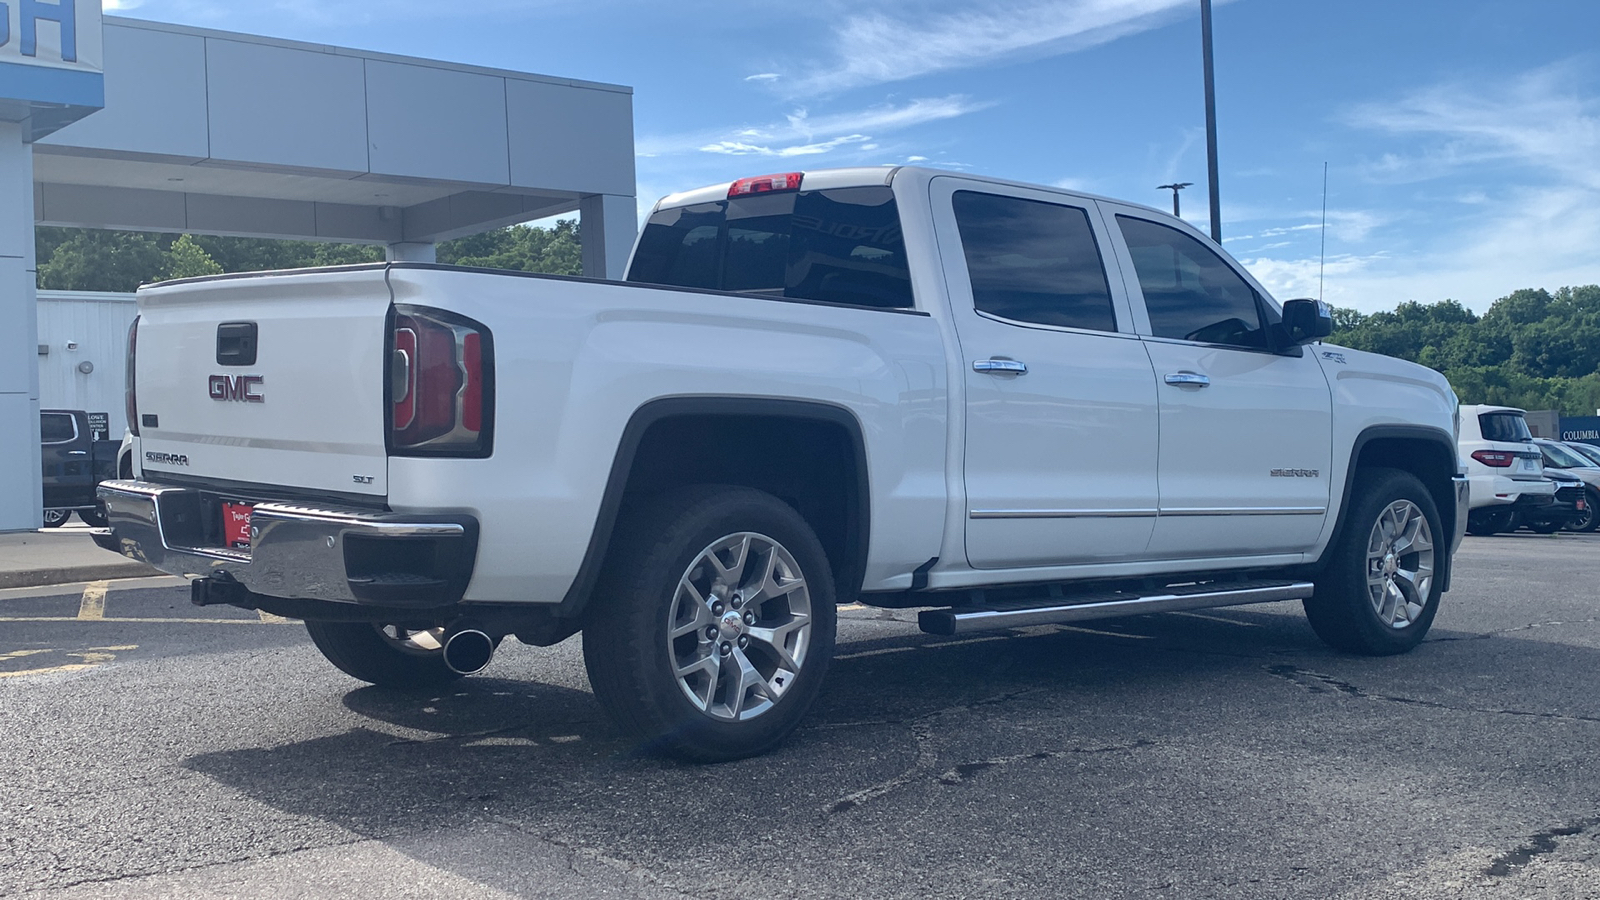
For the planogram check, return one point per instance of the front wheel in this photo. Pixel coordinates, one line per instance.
(384, 655)
(711, 630)
(1486, 522)
(55, 518)
(1378, 595)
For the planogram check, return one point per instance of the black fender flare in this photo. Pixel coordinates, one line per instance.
(576, 599)
(1446, 444)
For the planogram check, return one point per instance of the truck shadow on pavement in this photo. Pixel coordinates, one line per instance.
(922, 731)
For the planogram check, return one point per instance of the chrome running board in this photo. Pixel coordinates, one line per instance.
(963, 619)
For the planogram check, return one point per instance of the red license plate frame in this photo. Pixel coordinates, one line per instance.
(236, 524)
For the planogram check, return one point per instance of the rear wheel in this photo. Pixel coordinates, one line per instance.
(94, 518)
(711, 631)
(385, 655)
(55, 518)
(1378, 595)
(1545, 527)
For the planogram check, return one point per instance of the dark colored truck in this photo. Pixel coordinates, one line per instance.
(77, 455)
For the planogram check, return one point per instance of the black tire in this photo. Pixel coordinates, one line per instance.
(94, 518)
(1486, 522)
(55, 518)
(1591, 513)
(1545, 527)
(362, 651)
(1345, 611)
(635, 666)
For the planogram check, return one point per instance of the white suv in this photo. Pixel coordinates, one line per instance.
(1504, 466)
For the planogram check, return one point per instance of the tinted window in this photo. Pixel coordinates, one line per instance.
(1562, 458)
(1190, 292)
(1504, 427)
(56, 428)
(1033, 262)
(837, 246)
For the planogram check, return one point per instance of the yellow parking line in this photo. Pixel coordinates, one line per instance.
(93, 657)
(93, 606)
(18, 654)
(271, 619)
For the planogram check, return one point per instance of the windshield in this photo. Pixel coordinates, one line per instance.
(1562, 458)
(1587, 451)
(1504, 426)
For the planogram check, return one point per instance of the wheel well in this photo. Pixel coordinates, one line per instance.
(1430, 461)
(813, 464)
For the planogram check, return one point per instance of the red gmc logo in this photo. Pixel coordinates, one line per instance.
(243, 388)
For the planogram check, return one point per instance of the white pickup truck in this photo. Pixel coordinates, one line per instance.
(1005, 404)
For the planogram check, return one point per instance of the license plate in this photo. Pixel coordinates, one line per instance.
(236, 525)
(1524, 465)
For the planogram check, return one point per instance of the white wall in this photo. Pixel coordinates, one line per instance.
(98, 324)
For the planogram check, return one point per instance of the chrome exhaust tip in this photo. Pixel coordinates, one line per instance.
(467, 650)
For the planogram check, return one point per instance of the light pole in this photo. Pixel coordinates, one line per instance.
(1175, 188)
(1211, 121)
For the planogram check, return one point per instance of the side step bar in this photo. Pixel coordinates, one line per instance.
(963, 619)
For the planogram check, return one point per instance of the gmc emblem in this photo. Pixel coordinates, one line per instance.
(243, 388)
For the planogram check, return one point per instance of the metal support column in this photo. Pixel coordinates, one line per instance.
(21, 494)
(610, 223)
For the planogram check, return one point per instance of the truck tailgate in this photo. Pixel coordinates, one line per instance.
(290, 393)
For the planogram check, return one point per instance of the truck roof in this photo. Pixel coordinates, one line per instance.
(862, 176)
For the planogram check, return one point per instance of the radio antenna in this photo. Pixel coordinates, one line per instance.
(1323, 262)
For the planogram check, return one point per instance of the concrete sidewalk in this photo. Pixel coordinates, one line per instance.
(61, 556)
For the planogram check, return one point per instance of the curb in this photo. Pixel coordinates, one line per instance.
(71, 574)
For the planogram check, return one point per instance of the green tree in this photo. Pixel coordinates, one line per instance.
(185, 259)
(117, 261)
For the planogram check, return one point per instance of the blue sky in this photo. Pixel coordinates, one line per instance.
(1462, 137)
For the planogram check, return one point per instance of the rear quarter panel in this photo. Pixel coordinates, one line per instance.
(574, 360)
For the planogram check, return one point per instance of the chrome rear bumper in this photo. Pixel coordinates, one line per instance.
(296, 551)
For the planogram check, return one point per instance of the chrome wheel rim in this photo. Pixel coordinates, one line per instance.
(52, 516)
(423, 642)
(1400, 564)
(740, 627)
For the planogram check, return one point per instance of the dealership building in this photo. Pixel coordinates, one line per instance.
(126, 124)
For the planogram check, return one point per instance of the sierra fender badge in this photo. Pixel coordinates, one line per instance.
(165, 459)
(243, 388)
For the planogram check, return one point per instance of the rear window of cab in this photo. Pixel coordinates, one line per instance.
(842, 245)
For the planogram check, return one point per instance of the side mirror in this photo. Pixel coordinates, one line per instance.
(1305, 321)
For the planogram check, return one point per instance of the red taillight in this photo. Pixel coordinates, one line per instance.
(130, 394)
(441, 397)
(766, 184)
(1495, 458)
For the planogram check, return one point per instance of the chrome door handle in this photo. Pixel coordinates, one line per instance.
(1189, 378)
(1004, 366)
(77, 453)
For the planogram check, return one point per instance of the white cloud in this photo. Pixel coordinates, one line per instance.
(801, 134)
(112, 6)
(878, 47)
(1537, 120)
(764, 76)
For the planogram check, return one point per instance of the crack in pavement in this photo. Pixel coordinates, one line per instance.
(1318, 683)
(965, 771)
(1542, 843)
(185, 870)
(921, 729)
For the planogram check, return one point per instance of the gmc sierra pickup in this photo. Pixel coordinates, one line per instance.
(1006, 405)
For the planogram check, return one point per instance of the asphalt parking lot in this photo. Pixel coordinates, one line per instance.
(152, 749)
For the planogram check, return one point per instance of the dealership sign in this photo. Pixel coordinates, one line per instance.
(1581, 428)
(50, 53)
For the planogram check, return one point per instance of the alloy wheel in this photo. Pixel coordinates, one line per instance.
(1400, 561)
(740, 626)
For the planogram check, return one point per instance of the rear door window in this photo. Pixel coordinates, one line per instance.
(1035, 262)
(1189, 291)
(835, 246)
(57, 428)
(1509, 427)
